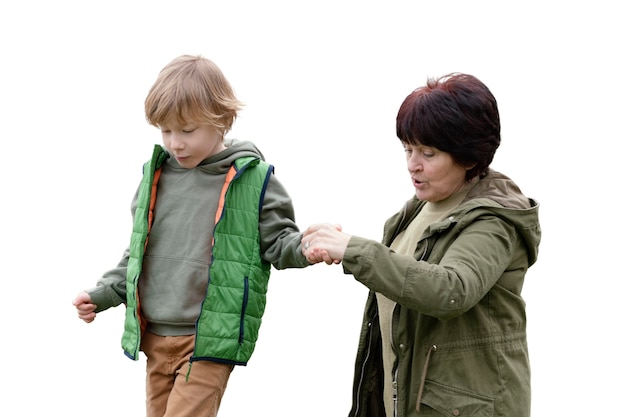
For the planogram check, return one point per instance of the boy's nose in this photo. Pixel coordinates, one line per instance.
(176, 142)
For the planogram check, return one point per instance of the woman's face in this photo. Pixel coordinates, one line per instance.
(435, 175)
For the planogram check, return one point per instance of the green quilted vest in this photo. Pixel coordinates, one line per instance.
(228, 325)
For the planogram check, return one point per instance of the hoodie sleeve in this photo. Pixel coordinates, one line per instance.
(280, 235)
(110, 290)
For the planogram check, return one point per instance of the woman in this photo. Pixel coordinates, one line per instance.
(444, 329)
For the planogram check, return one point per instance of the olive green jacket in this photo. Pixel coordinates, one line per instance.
(459, 326)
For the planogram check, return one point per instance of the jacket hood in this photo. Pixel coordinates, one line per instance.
(499, 195)
(500, 189)
(221, 161)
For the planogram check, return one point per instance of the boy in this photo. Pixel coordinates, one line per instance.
(209, 220)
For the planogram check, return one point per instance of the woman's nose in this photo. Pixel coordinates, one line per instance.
(413, 163)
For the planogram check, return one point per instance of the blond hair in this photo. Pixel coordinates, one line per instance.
(192, 89)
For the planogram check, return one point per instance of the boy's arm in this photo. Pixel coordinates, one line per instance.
(280, 235)
(111, 288)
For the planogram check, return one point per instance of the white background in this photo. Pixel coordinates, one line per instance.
(322, 81)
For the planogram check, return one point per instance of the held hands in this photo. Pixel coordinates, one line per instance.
(85, 307)
(324, 242)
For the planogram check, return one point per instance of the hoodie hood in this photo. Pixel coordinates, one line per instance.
(221, 161)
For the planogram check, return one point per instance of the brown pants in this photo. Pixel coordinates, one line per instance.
(168, 392)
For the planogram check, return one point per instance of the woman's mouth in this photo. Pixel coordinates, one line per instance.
(417, 183)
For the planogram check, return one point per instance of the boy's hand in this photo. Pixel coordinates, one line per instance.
(85, 307)
(324, 242)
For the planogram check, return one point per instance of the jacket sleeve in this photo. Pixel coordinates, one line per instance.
(280, 235)
(468, 267)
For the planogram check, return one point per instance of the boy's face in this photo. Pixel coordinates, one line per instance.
(192, 143)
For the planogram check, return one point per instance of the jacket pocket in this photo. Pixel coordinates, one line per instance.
(244, 306)
(445, 400)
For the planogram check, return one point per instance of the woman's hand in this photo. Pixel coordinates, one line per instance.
(324, 242)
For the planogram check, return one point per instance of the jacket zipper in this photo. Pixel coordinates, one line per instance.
(360, 384)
